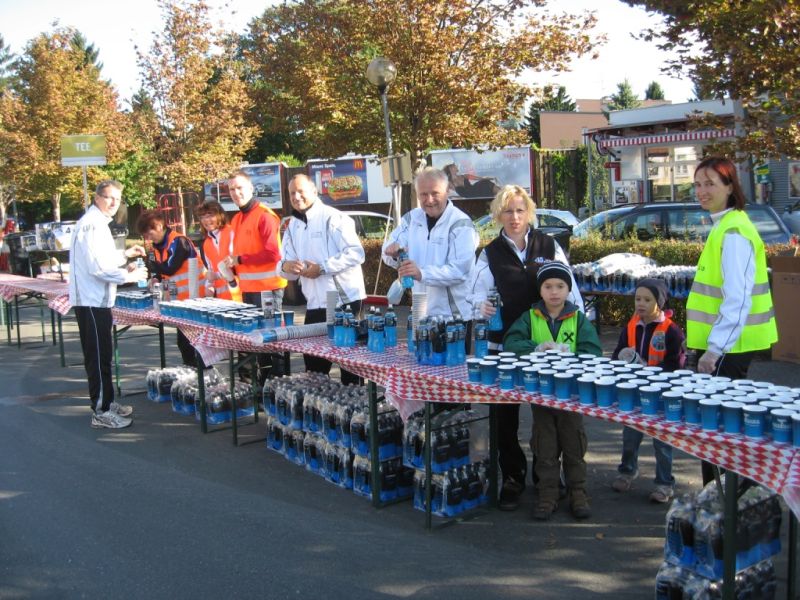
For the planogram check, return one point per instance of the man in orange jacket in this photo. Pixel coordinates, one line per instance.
(255, 256)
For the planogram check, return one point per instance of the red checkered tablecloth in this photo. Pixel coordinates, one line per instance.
(408, 386)
(56, 292)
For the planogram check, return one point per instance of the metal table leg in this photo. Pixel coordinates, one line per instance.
(375, 464)
(234, 424)
(201, 393)
(729, 536)
(493, 434)
(162, 346)
(791, 578)
(16, 319)
(428, 469)
(61, 341)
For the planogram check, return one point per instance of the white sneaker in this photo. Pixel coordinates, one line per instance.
(109, 420)
(123, 410)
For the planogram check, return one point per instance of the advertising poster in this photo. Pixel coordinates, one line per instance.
(794, 180)
(266, 180)
(474, 174)
(340, 181)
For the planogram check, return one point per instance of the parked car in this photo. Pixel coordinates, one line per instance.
(676, 220)
(553, 222)
(369, 225)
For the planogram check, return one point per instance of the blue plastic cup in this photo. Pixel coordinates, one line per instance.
(288, 317)
(649, 397)
(530, 379)
(518, 366)
(796, 429)
(673, 405)
(488, 372)
(691, 408)
(755, 417)
(547, 382)
(474, 369)
(709, 413)
(732, 416)
(769, 405)
(505, 376)
(586, 391)
(605, 391)
(563, 386)
(626, 396)
(782, 427)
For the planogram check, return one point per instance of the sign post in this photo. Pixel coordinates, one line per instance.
(83, 151)
(762, 173)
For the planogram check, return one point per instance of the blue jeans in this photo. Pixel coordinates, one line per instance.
(631, 440)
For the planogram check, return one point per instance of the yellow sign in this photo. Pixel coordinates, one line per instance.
(83, 150)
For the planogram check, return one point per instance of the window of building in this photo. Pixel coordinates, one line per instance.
(670, 172)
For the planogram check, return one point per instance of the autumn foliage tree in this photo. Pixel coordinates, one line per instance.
(198, 99)
(54, 92)
(458, 64)
(746, 50)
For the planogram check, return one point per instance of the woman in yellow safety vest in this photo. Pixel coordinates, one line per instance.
(729, 314)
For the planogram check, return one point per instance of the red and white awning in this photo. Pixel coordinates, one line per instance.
(665, 138)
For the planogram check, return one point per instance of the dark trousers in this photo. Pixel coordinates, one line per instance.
(94, 327)
(321, 365)
(269, 364)
(510, 455)
(734, 366)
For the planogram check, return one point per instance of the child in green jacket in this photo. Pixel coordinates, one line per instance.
(554, 322)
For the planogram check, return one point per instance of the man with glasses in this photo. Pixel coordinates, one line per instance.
(96, 268)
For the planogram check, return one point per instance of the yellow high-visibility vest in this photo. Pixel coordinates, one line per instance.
(705, 298)
(568, 334)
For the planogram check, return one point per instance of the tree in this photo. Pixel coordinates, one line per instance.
(553, 98)
(748, 51)
(6, 62)
(458, 63)
(199, 100)
(624, 97)
(89, 51)
(54, 93)
(654, 92)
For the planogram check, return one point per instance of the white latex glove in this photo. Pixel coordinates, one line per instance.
(546, 346)
(225, 271)
(629, 355)
(708, 362)
(487, 309)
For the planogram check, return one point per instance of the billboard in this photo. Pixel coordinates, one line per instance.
(83, 150)
(341, 181)
(266, 180)
(474, 174)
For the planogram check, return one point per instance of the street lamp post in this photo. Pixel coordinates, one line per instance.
(381, 72)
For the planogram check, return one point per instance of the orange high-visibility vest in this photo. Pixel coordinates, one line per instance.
(658, 346)
(214, 255)
(189, 277)
(247, 240)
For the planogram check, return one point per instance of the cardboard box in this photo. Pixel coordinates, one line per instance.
(786, 299)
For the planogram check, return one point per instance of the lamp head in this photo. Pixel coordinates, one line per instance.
(381, 72)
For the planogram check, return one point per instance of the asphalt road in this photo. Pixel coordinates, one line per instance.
(162, 511)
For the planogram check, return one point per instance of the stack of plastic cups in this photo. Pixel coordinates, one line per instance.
(332, 298)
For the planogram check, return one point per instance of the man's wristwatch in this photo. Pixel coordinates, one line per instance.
(321, 269)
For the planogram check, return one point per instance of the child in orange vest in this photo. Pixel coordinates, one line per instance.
(650, 338)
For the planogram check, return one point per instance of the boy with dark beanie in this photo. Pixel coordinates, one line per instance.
(552, 323)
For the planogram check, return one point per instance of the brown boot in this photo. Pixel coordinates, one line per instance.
(579, 504)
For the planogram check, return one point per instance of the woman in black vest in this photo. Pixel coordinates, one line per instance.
(509, 263)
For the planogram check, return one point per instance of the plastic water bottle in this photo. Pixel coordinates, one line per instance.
(141, 283)
(679, 546)
(481, 332)
(350, 328)
(379, 340)
(461, 340)
(410, 341)
(338, 327)
(496, 320)
(371, 329)
(407, 281)
(390, 327)
(451, 357)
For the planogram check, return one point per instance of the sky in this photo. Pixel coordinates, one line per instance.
(116, 27)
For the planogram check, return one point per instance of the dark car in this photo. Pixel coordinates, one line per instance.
(369, 225)
(676, 220)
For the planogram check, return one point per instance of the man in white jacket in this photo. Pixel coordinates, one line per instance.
(322, 250)
(96, 268)
(441, 241)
